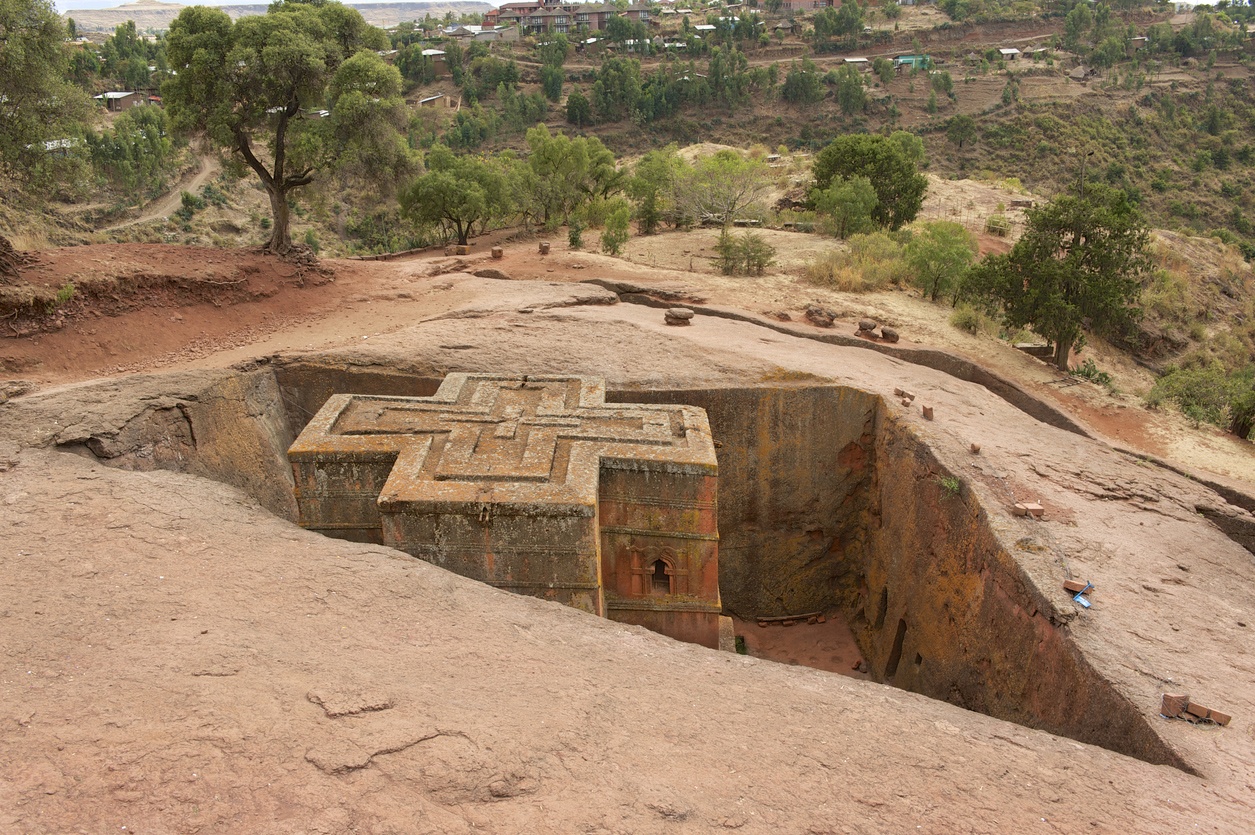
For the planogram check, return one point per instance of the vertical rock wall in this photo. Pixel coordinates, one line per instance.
(943, 609)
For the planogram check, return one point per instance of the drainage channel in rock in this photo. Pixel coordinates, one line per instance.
(825, 509)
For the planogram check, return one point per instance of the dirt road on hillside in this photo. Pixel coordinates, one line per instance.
(168, 203)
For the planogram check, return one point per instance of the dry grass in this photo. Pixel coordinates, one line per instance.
(868, 263)
(30, 240)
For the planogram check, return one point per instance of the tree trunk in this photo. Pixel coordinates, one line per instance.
(1063, 350)
(280, 236)
(1242, 424)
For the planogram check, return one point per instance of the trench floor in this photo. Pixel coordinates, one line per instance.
(826, 646)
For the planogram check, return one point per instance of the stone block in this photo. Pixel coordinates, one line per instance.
(927, 412)
(1173, 705)
(531, 484)
(888, 334)
(678, 316)
(498, 253)
(1195, 709)
(1075, 586)
(544, 248)
(867, 325)
(1028, 509)
(818, 316)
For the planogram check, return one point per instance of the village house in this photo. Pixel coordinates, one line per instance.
(561, 18)
(468, 32)
(439, 63)
(120, 101)
(787, 6)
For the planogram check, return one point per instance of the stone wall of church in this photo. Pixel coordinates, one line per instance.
(794, 486)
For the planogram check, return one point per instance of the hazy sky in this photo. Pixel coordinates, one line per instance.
(71, 5)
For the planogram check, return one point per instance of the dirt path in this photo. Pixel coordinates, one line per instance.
(170, 202)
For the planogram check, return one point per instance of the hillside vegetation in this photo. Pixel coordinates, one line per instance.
(565, 131)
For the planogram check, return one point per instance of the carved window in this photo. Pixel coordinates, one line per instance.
(661, 578)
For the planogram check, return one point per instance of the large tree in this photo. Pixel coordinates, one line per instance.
(721, 186)
(651, 187)
(883, 160)
(850, 94)
(1079, 265)
(563, 174)
(849, 204)
(962, 130)
(247, 84)
(458, 193)
(939, 254)
(37, 104)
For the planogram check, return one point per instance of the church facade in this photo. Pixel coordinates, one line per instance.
(531, 484)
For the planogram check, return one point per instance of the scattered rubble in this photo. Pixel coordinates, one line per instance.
(819, 317)
(1033, 509)
(1180, 707)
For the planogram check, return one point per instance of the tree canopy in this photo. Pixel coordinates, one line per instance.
(563, 174)
(848, 203)
(457, 193)
(962, 130)
(651, 187)
(939, 255)
(885, 162)
(721, 186)
(849, 86)
(37, 104)
(248, 85)
(1078, 265)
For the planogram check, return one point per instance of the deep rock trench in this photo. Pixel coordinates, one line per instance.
(824, 505)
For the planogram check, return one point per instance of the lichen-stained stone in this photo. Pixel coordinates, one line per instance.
(532, 484)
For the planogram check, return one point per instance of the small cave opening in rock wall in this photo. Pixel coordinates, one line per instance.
(838, 545)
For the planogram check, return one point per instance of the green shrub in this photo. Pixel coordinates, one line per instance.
(747, 255)
(61, 297)
(616, 232)
(1089, 371)
(967, 318)
(212, 194)
(872, 261)
(1210, 394)
(191, 205)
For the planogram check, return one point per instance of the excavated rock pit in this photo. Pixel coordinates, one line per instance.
(826, 504)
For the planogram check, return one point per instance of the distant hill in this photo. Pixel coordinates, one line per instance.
(151, 14)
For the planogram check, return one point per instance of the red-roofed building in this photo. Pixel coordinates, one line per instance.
(553, 16)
